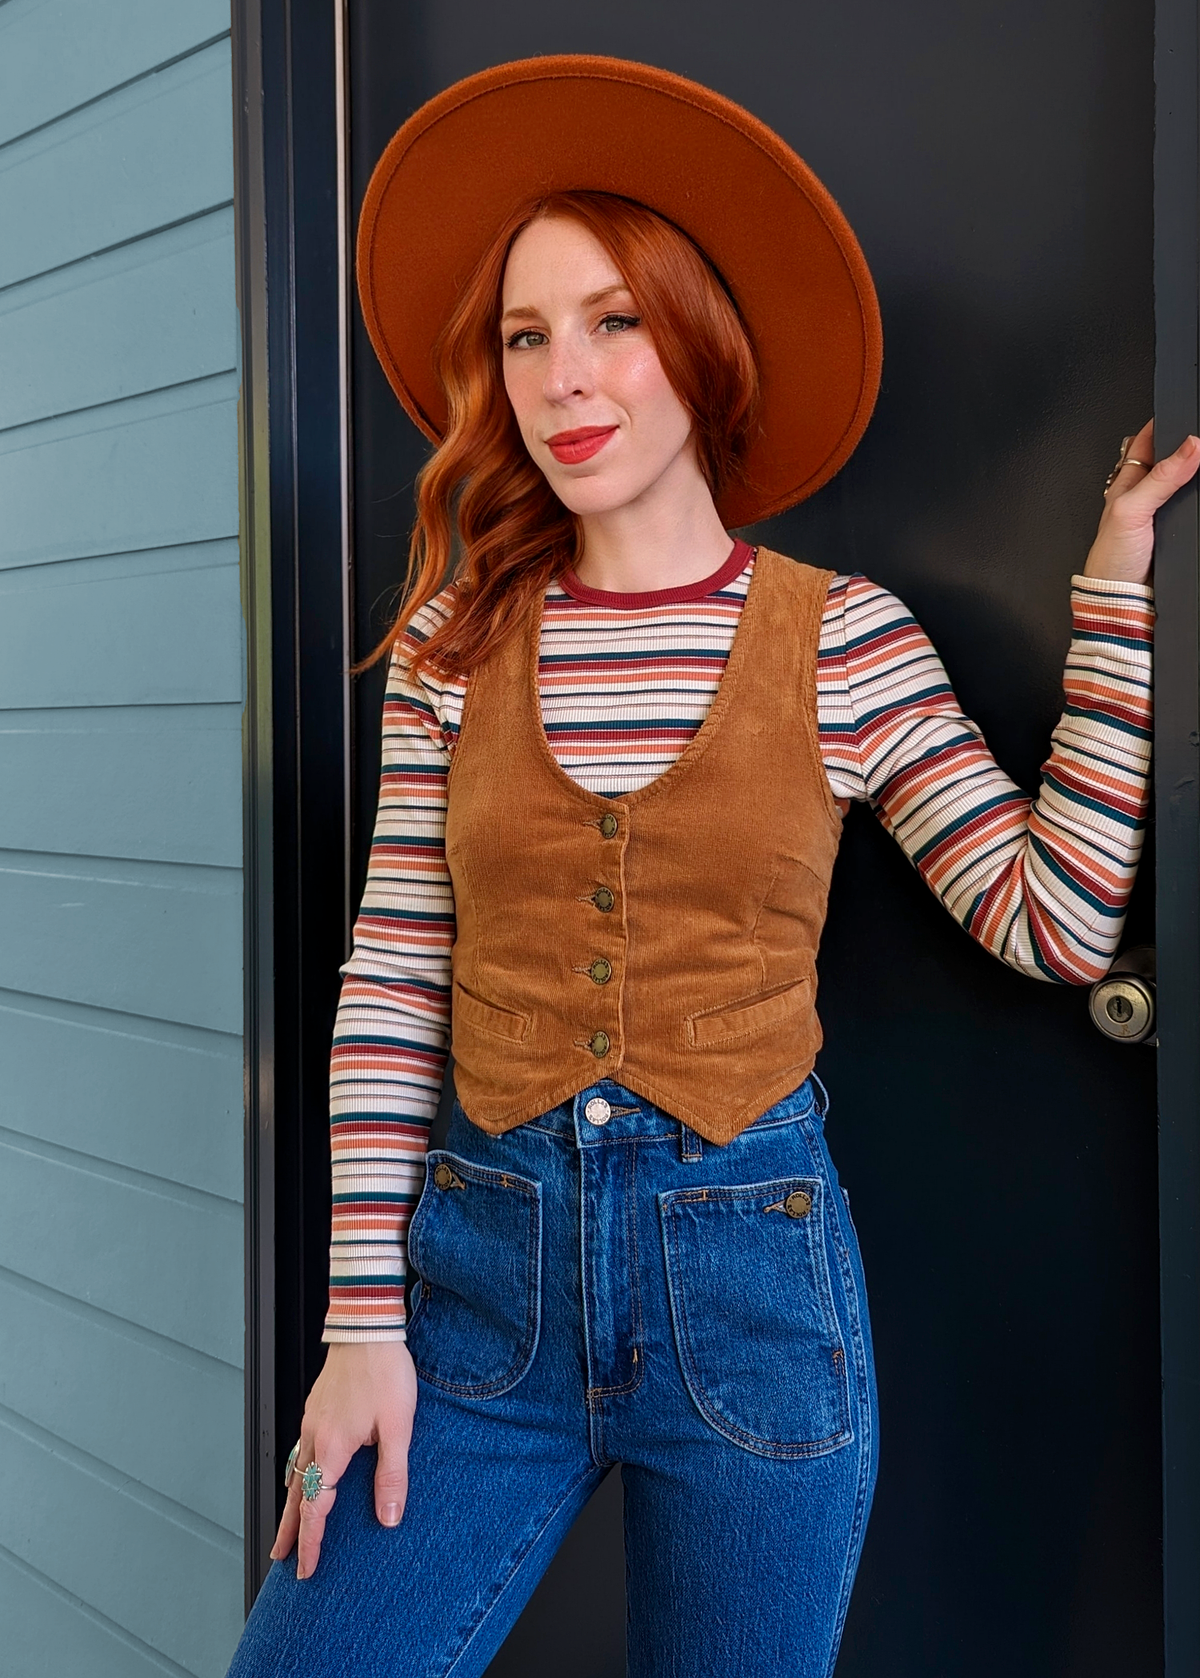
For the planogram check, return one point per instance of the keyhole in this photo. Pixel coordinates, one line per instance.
(1119, 1009)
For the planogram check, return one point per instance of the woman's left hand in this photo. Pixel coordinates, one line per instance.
(1124, 545)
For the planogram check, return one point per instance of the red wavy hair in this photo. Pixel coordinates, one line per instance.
(480, 484)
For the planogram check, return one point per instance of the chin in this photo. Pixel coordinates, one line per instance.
(590, 496)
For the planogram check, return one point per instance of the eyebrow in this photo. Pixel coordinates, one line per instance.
(524, 312)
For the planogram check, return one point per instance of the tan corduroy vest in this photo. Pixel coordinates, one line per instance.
(666, 939)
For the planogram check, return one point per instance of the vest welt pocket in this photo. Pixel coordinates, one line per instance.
(748, 1015)
(475, 1242)
(472, 1011)
(752, 1309)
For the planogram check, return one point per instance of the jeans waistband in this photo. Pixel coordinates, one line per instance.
(608, 1112)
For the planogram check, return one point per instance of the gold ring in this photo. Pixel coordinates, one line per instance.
(1124, 459)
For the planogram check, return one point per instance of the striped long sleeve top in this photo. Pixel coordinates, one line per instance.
(626, 681)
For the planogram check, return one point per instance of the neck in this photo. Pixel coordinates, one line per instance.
(670, 536)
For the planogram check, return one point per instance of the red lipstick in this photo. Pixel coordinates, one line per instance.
(570, 447)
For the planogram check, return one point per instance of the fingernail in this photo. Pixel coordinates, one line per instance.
(391, 1515)
(300, 1573)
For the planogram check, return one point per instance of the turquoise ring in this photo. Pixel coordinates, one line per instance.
(311, 1483)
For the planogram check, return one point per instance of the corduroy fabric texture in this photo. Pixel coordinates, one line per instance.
(703, 894)
(468, 157)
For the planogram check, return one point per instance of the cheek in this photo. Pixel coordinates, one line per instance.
(649, 396)
(522, 393)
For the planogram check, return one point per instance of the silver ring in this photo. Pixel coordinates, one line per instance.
(311, 1483)
(290, 1469)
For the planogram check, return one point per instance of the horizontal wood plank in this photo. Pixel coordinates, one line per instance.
(159, 782)
(49, 1633)
(151, 1253)
(153, 939)
(57, 54)
(172, 1580)
(164, 1099)
(148, 473)
(167, 638)
(142, 1397)
(149, 155)
(155, 313)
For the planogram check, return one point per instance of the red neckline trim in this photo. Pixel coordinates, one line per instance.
(733, 567)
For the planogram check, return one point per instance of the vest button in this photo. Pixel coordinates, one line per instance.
(603, 899)
(598, 1043)
(798, 1204)
(600, 972)
(608, 826)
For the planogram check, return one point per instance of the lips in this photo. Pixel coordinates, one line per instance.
(570, 447)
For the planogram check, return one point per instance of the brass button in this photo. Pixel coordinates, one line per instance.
(600, 972)
(598, 1043)
(798, 1204)
(598, 1111)
(608, 826)
(442, 1175)
(603, 899)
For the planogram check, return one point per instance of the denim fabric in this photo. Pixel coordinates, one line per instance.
(602, 1294)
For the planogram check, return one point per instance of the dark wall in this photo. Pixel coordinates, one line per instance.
(995, 161)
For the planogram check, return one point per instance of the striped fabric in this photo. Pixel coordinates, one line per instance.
(1041, 884)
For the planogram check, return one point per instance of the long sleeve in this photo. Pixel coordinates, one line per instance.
(1041, 882)
(392, 1030)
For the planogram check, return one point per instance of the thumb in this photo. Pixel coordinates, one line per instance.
(391, 1473)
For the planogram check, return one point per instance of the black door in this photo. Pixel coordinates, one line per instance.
(996, 163)
(1000, 1155)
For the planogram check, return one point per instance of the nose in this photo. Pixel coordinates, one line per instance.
(567, 372)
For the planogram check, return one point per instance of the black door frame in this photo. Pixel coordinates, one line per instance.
(293, 268)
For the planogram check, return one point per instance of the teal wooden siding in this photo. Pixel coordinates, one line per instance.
(121, 686)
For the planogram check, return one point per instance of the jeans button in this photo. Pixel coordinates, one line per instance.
(598, 1110)
(798, 1204)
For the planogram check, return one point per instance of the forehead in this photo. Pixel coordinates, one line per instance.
(555, 257)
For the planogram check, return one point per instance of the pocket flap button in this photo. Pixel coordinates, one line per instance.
(608, 826)
(798, 1204)
(444, 1178)
(598, 1110)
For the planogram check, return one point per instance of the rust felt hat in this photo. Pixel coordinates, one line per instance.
(466, 159)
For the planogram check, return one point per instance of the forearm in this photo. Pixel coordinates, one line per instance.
(1041, 884)
(392, 1029)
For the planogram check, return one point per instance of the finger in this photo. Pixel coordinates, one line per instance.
(289, 1523)
(333, 1456)
(1153, 488)
(1137, 456)
(391, 1473)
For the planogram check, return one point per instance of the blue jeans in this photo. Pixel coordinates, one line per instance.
(595, 1293)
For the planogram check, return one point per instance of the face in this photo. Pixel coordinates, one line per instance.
(589, 393)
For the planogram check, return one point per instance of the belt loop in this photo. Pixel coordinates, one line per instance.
(821, 1103)
(691, 1145)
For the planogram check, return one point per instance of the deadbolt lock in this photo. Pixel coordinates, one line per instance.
(1122, 1004)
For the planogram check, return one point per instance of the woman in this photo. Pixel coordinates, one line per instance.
(617, 750)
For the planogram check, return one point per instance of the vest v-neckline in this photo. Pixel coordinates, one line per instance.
(696, 746)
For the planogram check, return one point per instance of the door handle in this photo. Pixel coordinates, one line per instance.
(1122, 1004)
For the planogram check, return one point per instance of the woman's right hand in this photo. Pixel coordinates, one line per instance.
(365, 1395)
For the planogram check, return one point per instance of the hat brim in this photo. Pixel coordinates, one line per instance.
(468, 157)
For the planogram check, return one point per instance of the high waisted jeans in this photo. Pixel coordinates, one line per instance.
(601, 1291)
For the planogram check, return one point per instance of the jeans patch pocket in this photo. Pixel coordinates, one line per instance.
(475, 1242)
(752, 1309)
